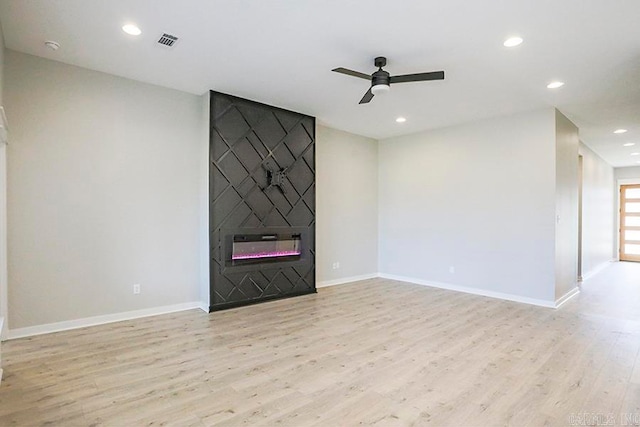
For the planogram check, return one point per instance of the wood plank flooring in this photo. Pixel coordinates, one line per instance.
(377, 352)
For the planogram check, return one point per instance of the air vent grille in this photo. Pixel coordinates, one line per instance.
(167, 40)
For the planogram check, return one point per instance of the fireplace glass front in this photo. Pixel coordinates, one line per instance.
(258, 248)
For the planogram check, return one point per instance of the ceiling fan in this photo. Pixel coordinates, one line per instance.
(381, 80)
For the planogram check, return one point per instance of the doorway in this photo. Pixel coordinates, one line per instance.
(630, 222)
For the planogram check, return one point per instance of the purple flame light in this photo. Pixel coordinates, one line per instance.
(266, 255)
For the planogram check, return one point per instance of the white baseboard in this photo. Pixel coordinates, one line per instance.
(98, 320)
(566, 297)
(597, 269)
(474, 291)
(325, 283)
(129, 315)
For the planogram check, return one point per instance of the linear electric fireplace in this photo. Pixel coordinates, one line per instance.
(259, 248)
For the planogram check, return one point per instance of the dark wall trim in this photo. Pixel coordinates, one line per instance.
(261, 179)
(226, 306)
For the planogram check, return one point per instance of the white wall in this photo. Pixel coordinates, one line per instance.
(347, 206)
(104, 177)
(598, 212)
(3, 207)
(1, 63)
(205, 278)
(479, 198)
(628, 173)
(567, 143)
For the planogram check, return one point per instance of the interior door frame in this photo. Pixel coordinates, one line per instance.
(580, 207)
(620, 183)
(4, 292)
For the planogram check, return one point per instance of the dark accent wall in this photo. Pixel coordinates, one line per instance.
(246, 140)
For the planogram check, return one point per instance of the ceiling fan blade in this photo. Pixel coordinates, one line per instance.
(352, 73)
(367, 97)
(419, 77)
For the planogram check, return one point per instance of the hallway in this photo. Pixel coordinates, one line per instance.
(613, 292)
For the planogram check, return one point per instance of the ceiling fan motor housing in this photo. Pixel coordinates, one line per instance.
(380, 77)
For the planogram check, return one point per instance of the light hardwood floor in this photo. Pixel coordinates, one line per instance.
(376, 352)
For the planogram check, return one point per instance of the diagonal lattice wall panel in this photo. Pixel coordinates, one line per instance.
(246, 139)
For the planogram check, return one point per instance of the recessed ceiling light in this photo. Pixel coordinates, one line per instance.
(555, 85)
(619, 131)
(512, 42)
(131, 29)
(629, 144)
(635, 154)
(401, 120)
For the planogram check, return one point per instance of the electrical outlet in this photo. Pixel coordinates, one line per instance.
(452, 269)
(136, 289)
(336, 265)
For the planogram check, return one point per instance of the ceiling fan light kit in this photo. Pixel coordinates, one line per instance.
(380, 89)
(381, 80)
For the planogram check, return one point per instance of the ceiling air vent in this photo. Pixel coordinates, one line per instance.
(167, 40)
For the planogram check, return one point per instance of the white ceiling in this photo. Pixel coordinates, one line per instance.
(281, 52)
